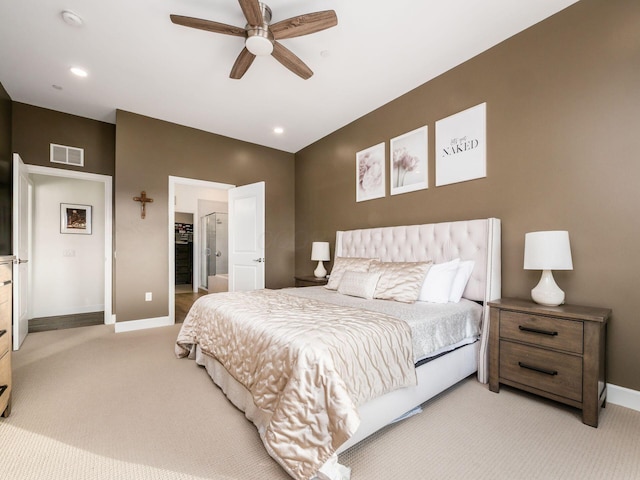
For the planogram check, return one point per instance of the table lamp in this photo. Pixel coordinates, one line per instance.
(320, 252)
(547, 251)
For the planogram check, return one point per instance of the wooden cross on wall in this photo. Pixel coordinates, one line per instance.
(143, 199)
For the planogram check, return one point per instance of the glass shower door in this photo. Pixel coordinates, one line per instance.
(215, 240)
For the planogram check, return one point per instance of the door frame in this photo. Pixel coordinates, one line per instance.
(193, 182)
(107, 182)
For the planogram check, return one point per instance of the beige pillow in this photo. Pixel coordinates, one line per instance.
(400, 281)
(358, 284)
(342, 264)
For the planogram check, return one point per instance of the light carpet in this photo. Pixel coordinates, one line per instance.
(92, 404)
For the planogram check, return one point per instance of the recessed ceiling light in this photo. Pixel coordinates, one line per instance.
(71, 18)
(80, 72)
(278, 130)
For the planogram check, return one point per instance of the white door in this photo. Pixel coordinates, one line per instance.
(246, 237)
(22, 196)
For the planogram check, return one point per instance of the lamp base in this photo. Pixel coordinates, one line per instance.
(320, 271)
(547, 291)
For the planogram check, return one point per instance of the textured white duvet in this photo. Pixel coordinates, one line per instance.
(307, 364)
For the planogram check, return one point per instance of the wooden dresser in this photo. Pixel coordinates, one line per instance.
(6, 273)
(555, 352)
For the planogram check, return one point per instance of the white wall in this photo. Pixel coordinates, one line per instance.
(68, 269)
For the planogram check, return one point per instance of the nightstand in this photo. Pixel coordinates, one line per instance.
(309, 281)
(554, 352)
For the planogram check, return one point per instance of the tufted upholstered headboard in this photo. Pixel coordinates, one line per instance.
(477, 240)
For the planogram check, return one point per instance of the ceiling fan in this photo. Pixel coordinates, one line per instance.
(261, 38)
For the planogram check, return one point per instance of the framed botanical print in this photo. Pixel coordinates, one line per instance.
(409, 161)
(370, 173)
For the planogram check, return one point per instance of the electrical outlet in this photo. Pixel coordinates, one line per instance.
(68, 253)
(148, 296)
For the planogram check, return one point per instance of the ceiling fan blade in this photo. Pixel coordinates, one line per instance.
(287, 58)
(208, 25)
(304, 24)
(252, 12)
(242, 64)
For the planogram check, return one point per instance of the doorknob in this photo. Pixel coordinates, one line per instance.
(259, 260)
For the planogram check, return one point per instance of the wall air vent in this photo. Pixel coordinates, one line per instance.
(67, 155)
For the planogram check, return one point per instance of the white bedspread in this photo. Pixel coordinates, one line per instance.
(307, 364)
(435, 327)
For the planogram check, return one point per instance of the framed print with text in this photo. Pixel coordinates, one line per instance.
(461, 146)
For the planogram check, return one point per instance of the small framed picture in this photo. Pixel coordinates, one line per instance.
(75, 218)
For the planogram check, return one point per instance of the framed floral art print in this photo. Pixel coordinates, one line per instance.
(370, 173)
(409, 161)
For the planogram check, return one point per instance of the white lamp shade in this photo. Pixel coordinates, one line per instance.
(547, 251)
(320, 251)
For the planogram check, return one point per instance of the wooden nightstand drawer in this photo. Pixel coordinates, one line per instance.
(543, 331)
(5, 380)
(553, 372)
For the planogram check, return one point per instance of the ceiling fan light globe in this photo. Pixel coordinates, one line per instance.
(259, 45)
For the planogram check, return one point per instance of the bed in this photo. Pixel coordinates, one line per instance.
(326, 369)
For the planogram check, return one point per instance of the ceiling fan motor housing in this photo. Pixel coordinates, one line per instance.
(259, 37)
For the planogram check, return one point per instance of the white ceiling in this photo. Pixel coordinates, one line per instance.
(140, 62)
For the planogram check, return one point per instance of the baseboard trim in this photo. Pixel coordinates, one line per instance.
(142, 324)
(625, 397)
(79, 310)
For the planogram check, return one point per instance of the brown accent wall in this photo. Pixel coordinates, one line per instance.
(148, 151)
(35, 128)
(5, 172)
(563, 122)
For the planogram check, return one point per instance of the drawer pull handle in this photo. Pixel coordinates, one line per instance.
(538, 369)
(6, 282)
(2, 332)
(3, 388)
(537, 330)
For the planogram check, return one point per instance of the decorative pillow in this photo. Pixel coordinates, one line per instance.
(358, 284)
(399, 281)
(461, 279)
(342, 264)
(437, 285)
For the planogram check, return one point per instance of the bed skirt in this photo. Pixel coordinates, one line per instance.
(433, 378)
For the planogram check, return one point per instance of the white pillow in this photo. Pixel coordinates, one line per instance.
(358, 284)
(437, 284)
(460, 281)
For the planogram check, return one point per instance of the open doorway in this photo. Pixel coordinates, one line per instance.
(194, 201)
(81, 263)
